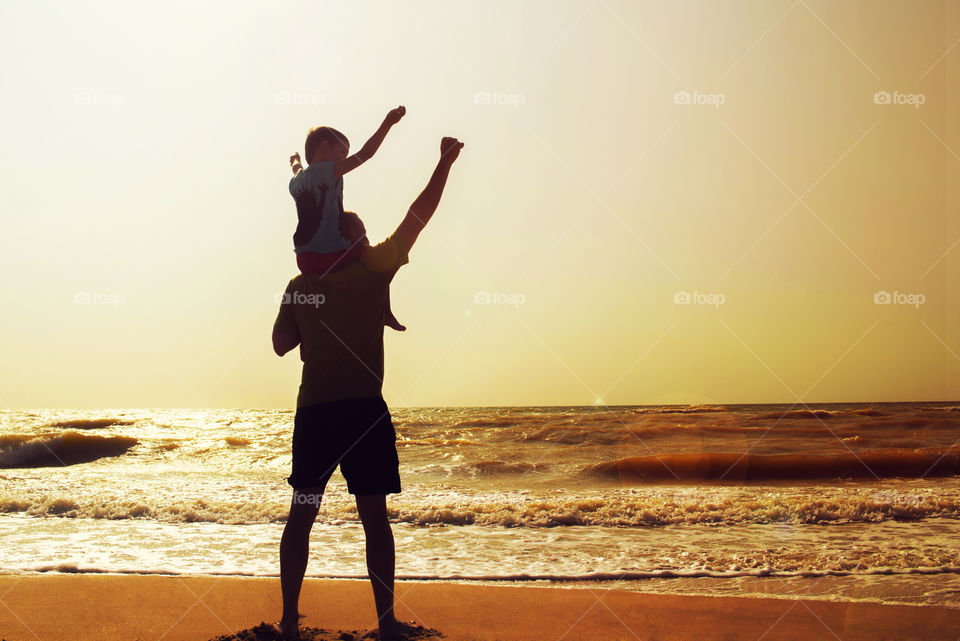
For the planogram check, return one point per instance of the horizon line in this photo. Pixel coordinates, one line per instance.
(601, 405)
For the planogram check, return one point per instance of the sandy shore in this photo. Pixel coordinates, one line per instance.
(57, 607)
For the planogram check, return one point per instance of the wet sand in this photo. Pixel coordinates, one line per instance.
(196, 608)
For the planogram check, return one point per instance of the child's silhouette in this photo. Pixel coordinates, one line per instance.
(320, 241)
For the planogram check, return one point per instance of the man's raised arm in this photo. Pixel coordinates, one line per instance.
(426, 203)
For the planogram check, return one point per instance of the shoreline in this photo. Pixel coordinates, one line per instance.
(833, 587)
(200, 607)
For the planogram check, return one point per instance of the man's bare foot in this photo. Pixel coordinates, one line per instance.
(289, 629)
(396, 630)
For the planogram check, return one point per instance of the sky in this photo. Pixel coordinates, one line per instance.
(657, 202)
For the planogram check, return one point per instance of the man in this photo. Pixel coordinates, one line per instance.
(341, 419)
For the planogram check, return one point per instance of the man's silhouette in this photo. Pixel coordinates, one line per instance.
(341, 419)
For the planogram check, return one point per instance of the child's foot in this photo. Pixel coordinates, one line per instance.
(391, 321)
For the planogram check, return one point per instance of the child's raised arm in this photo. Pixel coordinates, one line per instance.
(295, 164)
(366, 152)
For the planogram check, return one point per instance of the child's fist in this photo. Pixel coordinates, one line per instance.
(450, 148)
(394, 115)
(295, 158)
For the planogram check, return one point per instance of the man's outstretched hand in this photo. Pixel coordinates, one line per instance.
(394, 115)
(450, 149)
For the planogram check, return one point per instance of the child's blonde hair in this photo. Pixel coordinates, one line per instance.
(318, 135)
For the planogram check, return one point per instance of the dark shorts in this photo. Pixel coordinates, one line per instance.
(355, 433)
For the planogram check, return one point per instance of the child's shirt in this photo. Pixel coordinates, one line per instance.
(319, 198)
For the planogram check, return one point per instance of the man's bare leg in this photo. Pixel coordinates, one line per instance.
(294, 550)
(372, 509)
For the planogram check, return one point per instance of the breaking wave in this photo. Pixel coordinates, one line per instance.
(697, 507)
(64, 448)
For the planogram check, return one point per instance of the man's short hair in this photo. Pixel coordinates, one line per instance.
(356, 231)
(319, 134)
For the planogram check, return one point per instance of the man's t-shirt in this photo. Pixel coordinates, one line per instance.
(319, 198)
(339, 317)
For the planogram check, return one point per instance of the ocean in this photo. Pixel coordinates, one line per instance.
(834, 501)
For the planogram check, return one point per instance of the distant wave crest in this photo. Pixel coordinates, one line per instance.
(681, 409)
(90, 423)
(815, 414)
(733, 466)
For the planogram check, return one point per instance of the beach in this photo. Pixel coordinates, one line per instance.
(625, 320)
(714, 516)
(196, 608)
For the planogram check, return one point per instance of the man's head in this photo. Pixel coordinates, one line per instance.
(325, 143)
(353, 229)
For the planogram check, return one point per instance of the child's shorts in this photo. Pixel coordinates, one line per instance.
(317, 263)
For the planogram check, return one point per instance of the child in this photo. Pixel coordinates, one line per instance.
(320, 241)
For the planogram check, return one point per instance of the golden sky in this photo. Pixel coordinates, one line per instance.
(780, 165)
